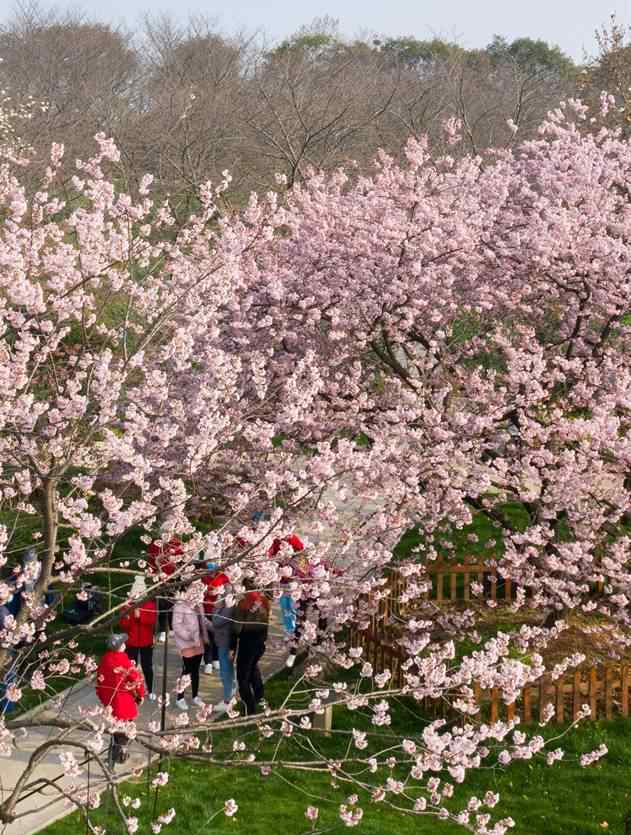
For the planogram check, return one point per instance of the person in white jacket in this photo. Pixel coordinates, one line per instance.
(191, 635)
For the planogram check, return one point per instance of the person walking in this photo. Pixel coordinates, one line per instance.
(191, 635)
(225, 638)
(251, 627)
(139, 622)
(163, 564)
(119, 687)
(213, 581)
(298, 615)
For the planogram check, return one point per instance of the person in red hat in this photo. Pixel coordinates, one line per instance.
(139, 622)
(162, 565)
(303, 573)
(119, 687)
(213, 581)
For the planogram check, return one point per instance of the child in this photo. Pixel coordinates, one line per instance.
(119, 686)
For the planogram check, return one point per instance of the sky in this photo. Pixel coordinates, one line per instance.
(568, 23)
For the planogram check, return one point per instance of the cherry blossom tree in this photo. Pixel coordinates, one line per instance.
(471, 321)
(125, 405)
(400, 350)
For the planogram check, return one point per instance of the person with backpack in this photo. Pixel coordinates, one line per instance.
(119, 687)
(139, 623)
(293, 616)
(288, 613)
(251, 628)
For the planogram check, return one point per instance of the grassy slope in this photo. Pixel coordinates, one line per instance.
(562, 800)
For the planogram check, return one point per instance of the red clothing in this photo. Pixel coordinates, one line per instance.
(254, 600)
(300, 565)
(213, 583)
(119, 685)
(140, 630)
(159, 562)
(292, 539)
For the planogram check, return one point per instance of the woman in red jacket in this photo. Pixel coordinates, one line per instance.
(161, 565)
(120, 687)
(139, 622)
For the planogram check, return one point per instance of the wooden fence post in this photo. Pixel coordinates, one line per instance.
(593, 693)
(467, 581)
(560, 700)
(494, 705)
(576, 695)
(608, 693)
(543, 697)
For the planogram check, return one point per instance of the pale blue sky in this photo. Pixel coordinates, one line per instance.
(569, 23)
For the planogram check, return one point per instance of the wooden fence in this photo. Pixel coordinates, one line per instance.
(604, 688)
(451, 583)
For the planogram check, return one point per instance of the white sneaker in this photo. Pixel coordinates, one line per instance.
(208, 669)
(216, 665)
(162, 637)
(198, 702)
(181, 704)
(291, 660)
(152, 697)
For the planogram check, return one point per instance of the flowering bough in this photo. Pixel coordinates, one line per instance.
(440, 340)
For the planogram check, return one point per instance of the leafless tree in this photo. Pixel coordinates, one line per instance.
(83, 71)
(313, 102)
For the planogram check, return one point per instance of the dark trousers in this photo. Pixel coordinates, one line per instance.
(118, 749)
(190, 667)
(249, 673)
(145, 654)
(302, 610)
(165, 614)
(210, 650)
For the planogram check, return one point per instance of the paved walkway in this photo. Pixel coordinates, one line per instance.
(43, 803)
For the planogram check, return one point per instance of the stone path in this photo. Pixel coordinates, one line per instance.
(43, 804)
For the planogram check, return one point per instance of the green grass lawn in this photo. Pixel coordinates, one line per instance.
(481, 539)
(564, 799)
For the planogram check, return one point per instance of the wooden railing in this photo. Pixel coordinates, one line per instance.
(604, 688)
(451, 583)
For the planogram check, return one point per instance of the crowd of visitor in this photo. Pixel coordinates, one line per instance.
(221, 635)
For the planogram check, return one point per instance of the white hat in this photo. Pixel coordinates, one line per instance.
(139, 587)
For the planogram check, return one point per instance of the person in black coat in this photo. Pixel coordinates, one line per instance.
(251, 627)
